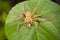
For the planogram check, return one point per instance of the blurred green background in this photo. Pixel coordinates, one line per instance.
(5, 6)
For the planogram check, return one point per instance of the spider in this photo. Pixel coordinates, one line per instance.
(30, 18)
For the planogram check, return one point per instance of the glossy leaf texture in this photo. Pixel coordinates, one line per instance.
(47, 30)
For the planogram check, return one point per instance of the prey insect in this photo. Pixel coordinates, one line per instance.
(30, 18)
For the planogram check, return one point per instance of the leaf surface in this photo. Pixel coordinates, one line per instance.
(48, 30)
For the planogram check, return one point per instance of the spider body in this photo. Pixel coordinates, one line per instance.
(30, 18)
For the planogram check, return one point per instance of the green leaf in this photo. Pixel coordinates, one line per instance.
(47, 30)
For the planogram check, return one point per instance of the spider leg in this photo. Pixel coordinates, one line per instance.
(16, 18)
(16, 13)
(23, 7)
(38, 15)
(46, 19)
(36, 24)
(19, 26)
(36, 8)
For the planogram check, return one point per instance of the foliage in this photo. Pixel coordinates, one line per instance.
(48, 30)
(3, 13)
